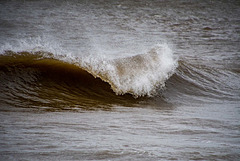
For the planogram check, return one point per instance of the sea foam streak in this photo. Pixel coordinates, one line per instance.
(139, 75)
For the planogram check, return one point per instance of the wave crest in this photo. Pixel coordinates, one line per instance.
(139, 75)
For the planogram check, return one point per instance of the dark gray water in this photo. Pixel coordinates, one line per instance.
(181, 133)
(119, 80)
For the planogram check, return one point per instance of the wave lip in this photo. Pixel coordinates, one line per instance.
(139, 75)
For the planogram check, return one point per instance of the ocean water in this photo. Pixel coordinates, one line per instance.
(119, 80)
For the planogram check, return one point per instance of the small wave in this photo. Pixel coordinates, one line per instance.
(200, 83)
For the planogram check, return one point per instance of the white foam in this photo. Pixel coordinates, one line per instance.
(138, 75)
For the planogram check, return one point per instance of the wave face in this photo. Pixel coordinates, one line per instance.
(42, 79)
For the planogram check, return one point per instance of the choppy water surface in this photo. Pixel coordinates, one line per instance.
(119, 80)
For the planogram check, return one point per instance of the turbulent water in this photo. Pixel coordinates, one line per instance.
(119, 80)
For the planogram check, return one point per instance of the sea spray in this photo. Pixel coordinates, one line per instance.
(34, 44)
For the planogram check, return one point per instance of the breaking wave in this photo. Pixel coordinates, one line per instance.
(42, 78)
(156, 79)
